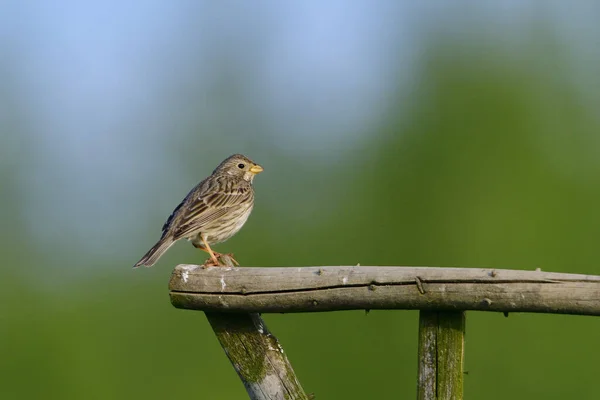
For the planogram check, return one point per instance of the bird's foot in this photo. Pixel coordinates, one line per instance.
(220, 260)
(211, 262)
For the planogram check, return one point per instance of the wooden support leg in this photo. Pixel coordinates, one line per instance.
(256, 355)
(441, 355)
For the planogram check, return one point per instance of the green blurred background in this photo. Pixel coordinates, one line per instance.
(392, 133)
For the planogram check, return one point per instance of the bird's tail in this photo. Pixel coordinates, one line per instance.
(152, 256)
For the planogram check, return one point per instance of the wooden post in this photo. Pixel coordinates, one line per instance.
(441, 355)
(228, 294)
(255, 354)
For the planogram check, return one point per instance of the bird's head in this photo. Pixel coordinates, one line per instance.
(239, 166)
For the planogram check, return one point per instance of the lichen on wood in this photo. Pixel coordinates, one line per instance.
(255, 354)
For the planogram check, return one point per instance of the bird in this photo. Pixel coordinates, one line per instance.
(212, 212)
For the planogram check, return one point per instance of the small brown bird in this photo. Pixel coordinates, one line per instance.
(212, 212)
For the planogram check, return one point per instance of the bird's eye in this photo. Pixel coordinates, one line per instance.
(241, 166)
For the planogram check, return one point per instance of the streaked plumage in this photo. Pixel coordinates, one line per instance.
(213, 211)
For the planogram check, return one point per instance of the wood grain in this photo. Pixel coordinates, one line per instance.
(312, 289)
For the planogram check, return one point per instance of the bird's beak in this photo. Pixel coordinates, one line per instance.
(256, 169)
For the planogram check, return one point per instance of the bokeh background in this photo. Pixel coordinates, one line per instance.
(433, 133)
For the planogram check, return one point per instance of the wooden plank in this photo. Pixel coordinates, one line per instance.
(310, 289)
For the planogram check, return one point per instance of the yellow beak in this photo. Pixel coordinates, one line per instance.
(256, 169)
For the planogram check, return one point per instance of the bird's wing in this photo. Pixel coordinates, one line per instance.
(172, 220)
(210, 202)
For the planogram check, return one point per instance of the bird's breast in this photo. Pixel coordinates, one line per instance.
(229, 225)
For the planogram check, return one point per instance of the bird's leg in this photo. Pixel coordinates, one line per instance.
(200, 247)
(209, 251)
(213, 261)
(208, 263)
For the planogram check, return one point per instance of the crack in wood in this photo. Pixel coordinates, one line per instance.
(417, 282)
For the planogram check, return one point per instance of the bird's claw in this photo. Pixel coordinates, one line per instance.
(210, 262)
(218, 260)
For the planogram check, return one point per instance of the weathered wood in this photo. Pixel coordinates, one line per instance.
(427, 354)
(255, 354)
(451, 352)
(310, 289)
(441, 355)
